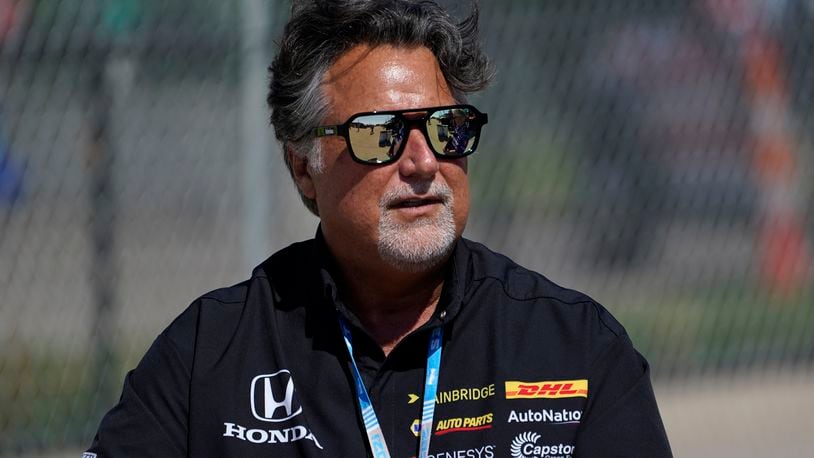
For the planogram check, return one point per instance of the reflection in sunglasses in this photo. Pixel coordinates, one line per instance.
(377, 138)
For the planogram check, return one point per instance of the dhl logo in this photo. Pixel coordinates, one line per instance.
(548, 389)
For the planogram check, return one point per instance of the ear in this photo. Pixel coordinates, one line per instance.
(301, 173)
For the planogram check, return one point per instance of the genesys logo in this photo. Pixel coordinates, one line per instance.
(458, 394)
(547, 416)
(525, 446)
(273, 399)
(547, 389)
(456, 424)
(485, 451)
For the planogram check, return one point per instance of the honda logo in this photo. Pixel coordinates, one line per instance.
(273, 397)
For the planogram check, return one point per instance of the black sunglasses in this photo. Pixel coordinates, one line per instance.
(378, 137)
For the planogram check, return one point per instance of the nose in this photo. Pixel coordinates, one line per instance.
(417, 160)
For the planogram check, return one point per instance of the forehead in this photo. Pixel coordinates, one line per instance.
(384, 78)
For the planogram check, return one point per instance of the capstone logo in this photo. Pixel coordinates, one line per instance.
(549, 416)
(270, 436)
(525, 446)
(272, 397)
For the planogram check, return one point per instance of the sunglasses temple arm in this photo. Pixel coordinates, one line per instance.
(327, 131)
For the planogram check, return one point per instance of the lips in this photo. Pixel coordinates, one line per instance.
(412, 202)
(416, 198)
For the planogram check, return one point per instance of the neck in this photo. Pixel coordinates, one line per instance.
(390, 303)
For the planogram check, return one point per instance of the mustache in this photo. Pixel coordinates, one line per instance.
(424, 190)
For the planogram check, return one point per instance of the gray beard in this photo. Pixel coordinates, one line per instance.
(419, 245)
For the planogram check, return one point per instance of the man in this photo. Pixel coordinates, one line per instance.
(389, 334)
(459, 140)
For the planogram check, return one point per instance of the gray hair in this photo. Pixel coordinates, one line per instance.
(320, 31)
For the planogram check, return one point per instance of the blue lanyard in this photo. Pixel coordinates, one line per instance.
(372, 426)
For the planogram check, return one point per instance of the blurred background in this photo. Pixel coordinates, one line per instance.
(654, 154)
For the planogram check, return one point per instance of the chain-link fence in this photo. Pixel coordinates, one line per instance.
(654, 154)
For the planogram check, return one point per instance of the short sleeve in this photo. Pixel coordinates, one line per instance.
(150, 419)
(621, 418)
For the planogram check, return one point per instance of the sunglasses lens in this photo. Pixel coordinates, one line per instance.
(453, 131)
(376, 139)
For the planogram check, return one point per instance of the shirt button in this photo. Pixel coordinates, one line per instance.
(443, 315)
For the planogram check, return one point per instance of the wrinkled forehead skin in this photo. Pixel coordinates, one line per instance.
(391, 84)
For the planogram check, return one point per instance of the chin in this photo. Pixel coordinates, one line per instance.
(418, 245)
(408, 262)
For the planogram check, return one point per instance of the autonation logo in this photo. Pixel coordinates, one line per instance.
(554, 417)
(525, 446)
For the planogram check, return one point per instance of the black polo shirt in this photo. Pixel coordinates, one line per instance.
(528, 369)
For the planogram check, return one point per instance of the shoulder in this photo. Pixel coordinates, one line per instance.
(524, 292)
(205, 328)
(209, 319)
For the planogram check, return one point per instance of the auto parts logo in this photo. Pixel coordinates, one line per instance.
(525, 446)
(272, 397)
(547, 389)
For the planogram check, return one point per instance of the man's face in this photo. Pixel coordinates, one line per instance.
(459, 119)
(407, 213)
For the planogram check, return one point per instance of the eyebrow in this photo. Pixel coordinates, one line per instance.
(415, 114)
